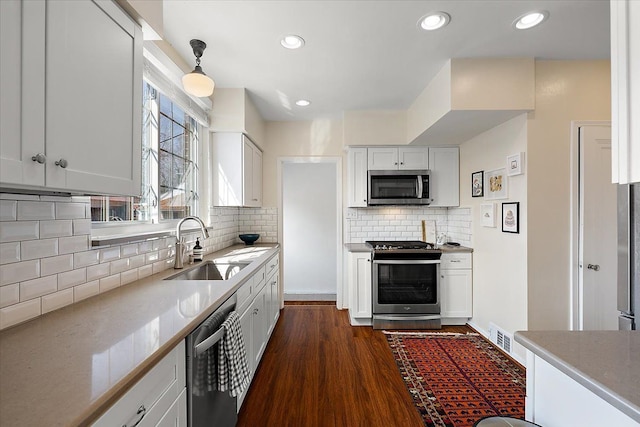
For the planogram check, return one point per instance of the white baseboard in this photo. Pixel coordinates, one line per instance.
(310, 297)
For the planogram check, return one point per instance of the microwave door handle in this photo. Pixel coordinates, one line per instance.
(419, 186)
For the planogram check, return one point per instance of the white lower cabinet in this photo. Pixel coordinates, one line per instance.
(359, 281)
(456, 288)
(158, 399)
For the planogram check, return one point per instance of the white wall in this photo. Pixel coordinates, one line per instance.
(499, 259)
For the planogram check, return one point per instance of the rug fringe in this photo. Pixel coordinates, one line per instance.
(428, 333)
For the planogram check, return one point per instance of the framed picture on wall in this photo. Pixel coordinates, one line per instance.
(495, 184)
(514, 164)
(488, 214)
(511, 217)
(477, 184)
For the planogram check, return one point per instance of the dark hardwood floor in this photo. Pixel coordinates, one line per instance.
(319, 371)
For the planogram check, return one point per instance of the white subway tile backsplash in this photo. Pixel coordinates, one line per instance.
(19, 271)
(152, 257)
(145, 247)
(9, 252)
(81, 226)
(14, 231)
(33, 249)
(120, 265)
(72, 278)
(86, 290)
(57, 300)
(28, 211)
(60, 228)
(110, 254)
(83, 259)
(18, 313)
(162, 265)
(136, 261)
(127, 277)
(37, 287)
(108, 283)
(129, 250)
(8, 210)
(70, 210)
(9, 294)
(97, 271)
(69, 245)
(145, 271)
(56, 264)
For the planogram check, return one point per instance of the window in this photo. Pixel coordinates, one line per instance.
(169, 167)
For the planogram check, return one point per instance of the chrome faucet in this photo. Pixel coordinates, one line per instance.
(180, 248)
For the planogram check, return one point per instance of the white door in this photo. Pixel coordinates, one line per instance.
(310, 230)
(598, 231)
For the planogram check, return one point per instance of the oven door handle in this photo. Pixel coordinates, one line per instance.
(407, 261)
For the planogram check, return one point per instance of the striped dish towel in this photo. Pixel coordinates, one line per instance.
(205, 375)
(233, 370)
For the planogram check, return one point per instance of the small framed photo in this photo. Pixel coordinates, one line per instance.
(514, 164)
(488, 214)
(495, 184)
(511, 217)
(477, 184)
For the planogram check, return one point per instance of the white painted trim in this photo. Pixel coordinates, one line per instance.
(337, 161)
(575, 294)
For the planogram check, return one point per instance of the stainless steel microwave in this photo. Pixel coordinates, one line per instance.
(399, 187)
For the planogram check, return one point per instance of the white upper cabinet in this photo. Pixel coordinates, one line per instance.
(444, 163)
(72, 76)
(625, 91)
(357, 177)
(398, 158)
(237, 169)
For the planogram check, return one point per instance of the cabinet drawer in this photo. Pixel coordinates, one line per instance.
(455, 261)
(243, 296)
(272, 266)
(259, 280)
(156, 392)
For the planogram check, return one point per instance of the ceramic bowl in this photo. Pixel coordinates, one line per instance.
(249, 239)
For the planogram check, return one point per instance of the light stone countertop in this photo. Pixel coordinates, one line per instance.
(67, 367)
(605, 362)
(362, 247)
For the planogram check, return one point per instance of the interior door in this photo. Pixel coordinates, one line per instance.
(598, 231)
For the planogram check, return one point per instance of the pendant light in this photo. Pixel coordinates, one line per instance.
(197, 83)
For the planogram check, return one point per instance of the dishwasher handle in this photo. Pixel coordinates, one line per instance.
(209, 342)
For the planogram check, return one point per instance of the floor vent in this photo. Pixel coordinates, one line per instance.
(500, 337)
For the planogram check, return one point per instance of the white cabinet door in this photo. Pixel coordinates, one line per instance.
(80, 105)
(413, 158)
(20, 140)
(625, 91)
(444, 164)
(457, 294)
(246, 324)
(256, 178)
(360, 285)
(237, 170)
(382, 158)
(357, 179)
(259, 325)
(273, 284)
(176, 415)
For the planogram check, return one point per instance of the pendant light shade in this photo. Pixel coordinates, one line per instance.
(197, 83)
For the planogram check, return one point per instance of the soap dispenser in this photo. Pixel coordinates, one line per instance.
(197, 251)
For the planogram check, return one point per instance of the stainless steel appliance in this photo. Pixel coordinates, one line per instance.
(208, 407)
(628, 256)
(399, 187)
(406, 285)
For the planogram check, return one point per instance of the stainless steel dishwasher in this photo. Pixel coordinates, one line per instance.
(206, 405)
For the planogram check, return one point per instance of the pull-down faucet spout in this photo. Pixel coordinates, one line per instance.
(179, 263)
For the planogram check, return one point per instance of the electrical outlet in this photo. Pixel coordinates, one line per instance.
(351, 214)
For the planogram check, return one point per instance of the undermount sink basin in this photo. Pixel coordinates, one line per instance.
(209, 270)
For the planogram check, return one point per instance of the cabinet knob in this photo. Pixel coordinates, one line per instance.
(395, 163)
(402, 163)
(594, 267)
(62, 163)
(40, 158)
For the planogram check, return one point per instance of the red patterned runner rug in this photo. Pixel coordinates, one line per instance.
(456, 379)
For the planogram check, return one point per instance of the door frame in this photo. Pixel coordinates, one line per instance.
(337, 161)
(576, 309)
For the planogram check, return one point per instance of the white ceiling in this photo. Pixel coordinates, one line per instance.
(363, 55)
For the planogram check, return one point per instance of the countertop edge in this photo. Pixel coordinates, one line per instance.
(608, 395)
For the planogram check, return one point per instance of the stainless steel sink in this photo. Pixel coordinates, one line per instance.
(209, 270)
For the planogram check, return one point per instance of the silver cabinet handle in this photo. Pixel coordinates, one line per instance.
(455, 260)
(142, 411)
(62, 163)
(40, 158)
(594, 267)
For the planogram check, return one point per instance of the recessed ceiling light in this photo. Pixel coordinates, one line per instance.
(530, 19)
(292, 41)
(434, 20)
(302, 103)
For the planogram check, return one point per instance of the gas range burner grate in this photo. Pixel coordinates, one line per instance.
(399, 245)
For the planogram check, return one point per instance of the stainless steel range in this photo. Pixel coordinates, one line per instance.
(406, 285)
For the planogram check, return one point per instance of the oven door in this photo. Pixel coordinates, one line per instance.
(406, 286)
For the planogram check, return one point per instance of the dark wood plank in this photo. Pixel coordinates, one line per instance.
(319, 371)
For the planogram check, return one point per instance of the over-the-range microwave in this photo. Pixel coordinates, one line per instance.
(399, 187)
